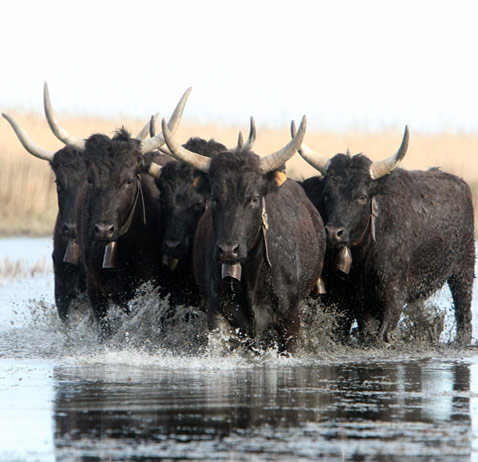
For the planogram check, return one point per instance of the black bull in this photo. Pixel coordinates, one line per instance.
(119, 222)
(404, 233)
(119, 217)
(258, 249)
(69, 170)
(184, 192)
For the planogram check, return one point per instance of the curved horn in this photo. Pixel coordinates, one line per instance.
(275, 160)
(252, 135)
(240, 141)
(157, 141)
(58, 131)
(146, 130)
(28, 143)
(152, 125)
(155, 170)
(318, 161)
(197, 161)
(384, 167)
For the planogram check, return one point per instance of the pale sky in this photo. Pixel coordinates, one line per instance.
(367, 64)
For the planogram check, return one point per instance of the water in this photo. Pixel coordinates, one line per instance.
(66, 397)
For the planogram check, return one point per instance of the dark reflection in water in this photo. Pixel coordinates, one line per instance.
(410, 411)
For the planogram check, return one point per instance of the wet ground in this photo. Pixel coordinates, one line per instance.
(142, 397)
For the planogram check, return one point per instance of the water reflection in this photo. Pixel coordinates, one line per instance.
(416, 410)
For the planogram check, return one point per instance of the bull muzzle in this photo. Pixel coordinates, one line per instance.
(104, 231)
(228, 251)
(69, 230)
(336, 234)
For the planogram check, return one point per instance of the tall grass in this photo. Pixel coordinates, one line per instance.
(28, 202)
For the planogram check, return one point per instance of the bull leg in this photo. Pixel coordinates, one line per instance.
(289, 329)
(212, 313)
(240, 317)
(390, 322)
(99, 304)
(341, 307)
(66, 288)
(461, 288)
(379, 317)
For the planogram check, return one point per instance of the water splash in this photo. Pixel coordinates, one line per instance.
(157, 334)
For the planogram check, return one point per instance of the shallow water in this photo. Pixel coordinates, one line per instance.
(65, 397)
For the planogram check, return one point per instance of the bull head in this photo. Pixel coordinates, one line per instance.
(377, 169)
(348, 204)
(68, 168)
(238, 211)
(268, 163)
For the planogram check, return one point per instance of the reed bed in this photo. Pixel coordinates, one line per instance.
(28, 204)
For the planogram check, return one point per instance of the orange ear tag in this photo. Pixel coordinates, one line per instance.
(280, 178)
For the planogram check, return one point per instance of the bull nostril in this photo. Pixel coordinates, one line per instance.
(334, 233)
(228, 251)
(69, 229)
(173, 244)
(104, 231)
(221, 249)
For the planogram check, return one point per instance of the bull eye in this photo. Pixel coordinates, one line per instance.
(198, 206)
(362, 199)
(90, 183)
(255, 201)
(213, 201)
(129, 182)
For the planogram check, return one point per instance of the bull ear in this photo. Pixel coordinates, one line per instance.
(280, 177)
(201, 183)
(386, 166)
(197, 181)
(318, 161)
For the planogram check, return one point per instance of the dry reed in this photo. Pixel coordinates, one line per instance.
(27, 191)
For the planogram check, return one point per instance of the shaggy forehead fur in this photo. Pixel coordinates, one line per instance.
(348, 172)
(206, 148)
(178, 177)
(236, 172)
(107, 153)
(177, 180)
(67, 157)
(69, 167)
(176, 171)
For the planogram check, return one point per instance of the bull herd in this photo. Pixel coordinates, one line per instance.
(226, 230)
